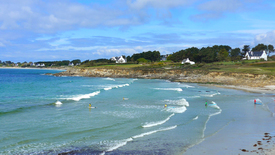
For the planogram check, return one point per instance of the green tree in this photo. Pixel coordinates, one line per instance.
(236, 54)
(270, 48)
(245, 49)
(142, 60)
(76, 61)
(259, 47)
(222, 55)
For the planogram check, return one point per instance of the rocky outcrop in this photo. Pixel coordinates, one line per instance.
(193, 76)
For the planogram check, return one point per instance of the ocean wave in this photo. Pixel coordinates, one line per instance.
(151, 124)
(58, 102)
(173, 89)
(211, 95)
(111, 79)
(83, 96)
(182, 102)
(176, 109)
(116, 86)
(154, 131)
(185, 85)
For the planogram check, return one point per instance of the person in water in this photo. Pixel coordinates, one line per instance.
(255, 101)
(206, 103)
(165, 106)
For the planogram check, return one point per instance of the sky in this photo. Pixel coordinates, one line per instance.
(54, 30)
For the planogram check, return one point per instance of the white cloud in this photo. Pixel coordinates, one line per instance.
(265, 38)
(221, 5)
(141, 4)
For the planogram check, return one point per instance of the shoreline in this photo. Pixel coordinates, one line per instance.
(57, 68)
(269, 89)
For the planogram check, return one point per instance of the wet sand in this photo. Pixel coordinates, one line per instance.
(270, 89)
(261, 143)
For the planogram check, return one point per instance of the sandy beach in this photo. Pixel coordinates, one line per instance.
(264, 143)
(270, 89)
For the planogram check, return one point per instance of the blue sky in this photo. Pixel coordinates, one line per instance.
(47, 30)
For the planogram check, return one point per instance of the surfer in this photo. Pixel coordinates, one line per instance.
(255, 101)
(205, 103)
(90, 106)
(165, 106)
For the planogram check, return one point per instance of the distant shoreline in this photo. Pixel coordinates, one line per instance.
(57, 68)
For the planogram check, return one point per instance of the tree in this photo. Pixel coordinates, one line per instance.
(245, 49)
(222, 55)
(142, 60)
(76, 61)
(270, 48)
(259, 47)
(236, 54)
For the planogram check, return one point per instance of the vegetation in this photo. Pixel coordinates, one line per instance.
(220, 58)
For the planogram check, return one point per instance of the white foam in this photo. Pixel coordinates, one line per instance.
(116, 86)
(108, 88)
(154, 131)
(151, 124)
(182, 102)
(84, 96)
(111, 79)
(195, 118)
(214, 105)
(58, 103)
(185, 85)
(176, 109)
(118, 144)
(211, 95)
(173, 89)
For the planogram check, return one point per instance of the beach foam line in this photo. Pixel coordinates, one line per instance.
(84, 96)
(113, 145)
(118, 144)
(154, 131)
(173, 89)
(151, 124)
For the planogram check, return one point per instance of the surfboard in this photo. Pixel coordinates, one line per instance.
(92, 107)
(258, 103)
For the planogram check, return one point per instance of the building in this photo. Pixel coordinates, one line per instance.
(119, 59)
(255, 55)
(184, 61)
(71, 64)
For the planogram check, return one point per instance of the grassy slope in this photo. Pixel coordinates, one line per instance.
(252, 66)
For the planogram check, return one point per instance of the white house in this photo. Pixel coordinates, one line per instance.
(184, 61)
(119, 59)
(256, 55)
(71, 64)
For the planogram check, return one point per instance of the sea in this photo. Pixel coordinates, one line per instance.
(44, 114)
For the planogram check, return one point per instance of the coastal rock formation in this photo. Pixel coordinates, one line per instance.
(192, 76)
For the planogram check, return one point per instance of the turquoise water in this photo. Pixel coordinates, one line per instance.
(43, 114)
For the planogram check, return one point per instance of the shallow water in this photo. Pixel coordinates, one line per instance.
(43, 114)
